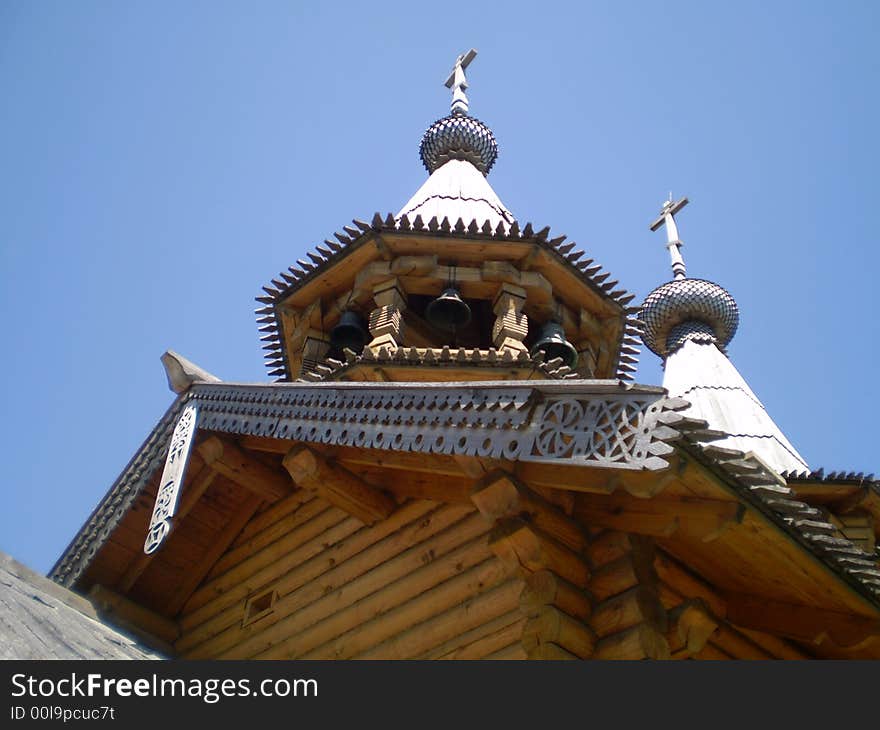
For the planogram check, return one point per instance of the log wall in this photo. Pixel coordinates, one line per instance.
(422, 582)
(508, 575)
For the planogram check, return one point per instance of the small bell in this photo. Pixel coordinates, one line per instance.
(448, 311)
(553, 344)
(349, 333)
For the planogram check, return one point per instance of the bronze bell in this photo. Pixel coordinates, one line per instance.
(448, 311)
(553, 344)
(349, 333)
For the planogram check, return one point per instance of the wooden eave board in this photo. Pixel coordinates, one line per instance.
(338, 276)
(756, 559)
(567, 285)
(822, 492)
(760, 558)
(192, 536)
(335, 278)
(413, 484)
(112, 559)
(830, 495)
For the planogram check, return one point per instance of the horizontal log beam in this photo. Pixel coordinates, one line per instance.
(226, 458)
(698, 518)
(803, 623)
(337, 485)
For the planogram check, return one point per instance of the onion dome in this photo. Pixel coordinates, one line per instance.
(458, 137)
(688, 309)
(685, 309)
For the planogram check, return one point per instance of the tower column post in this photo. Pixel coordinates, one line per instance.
(511, 323)
(386, 320)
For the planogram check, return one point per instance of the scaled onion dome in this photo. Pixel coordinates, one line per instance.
(458, 137)
(688, 309)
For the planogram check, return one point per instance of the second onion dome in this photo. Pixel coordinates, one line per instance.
(685, 309)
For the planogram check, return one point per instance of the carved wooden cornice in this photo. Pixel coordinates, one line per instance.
(597, 424)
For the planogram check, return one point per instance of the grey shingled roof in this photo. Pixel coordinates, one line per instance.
(457, 190)
(40, 619)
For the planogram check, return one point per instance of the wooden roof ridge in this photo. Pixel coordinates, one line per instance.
(350, 238)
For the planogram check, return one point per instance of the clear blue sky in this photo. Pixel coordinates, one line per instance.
(162, 160)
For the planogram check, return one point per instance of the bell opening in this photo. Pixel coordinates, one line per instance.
(350, 333)
(551, 343)
(449, 311)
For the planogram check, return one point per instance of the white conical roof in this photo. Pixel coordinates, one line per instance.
(456, 190)
(701, 374)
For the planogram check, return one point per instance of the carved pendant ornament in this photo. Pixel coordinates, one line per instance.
(172, 478)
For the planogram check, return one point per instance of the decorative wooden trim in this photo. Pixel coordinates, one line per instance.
(189, 499)
(606, 427)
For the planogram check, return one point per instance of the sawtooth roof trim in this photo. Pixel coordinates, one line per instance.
(437, 356)
(333, 251)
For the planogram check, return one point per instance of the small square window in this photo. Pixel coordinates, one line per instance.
(259, 606)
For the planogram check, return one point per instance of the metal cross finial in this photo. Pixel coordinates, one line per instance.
(458, 83)
(667, 217)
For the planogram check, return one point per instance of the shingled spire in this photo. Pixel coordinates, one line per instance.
(689, 323)
(458, 151)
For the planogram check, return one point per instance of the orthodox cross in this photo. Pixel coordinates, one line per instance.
(667, 217)
(458, 83)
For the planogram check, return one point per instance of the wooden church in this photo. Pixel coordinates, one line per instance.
(453, 463)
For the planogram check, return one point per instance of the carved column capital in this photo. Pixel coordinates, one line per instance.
(386, 320)
(511, 324)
